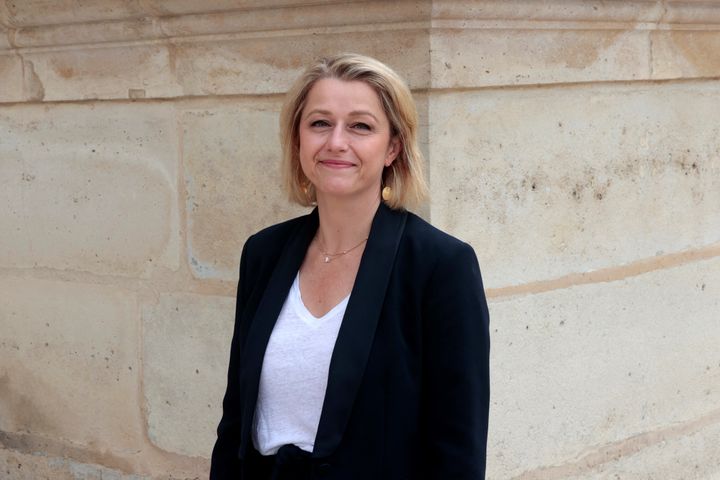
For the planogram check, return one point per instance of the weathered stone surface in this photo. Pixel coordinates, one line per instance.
(545, 182)
(251, 65)
(4, 39)
(231, 161)
(18, 466)
(696, 13)
(259, 50)
(695, 456)
(104, 73)
(186, 351)
(86, 35)
(184, 19)
(271, 64)
(630, 12)
(40, 12)
(11, 78)
(580, 368)
(466, 57)
(685, 54)
(69, 364)
(290, 20)
(89, 187)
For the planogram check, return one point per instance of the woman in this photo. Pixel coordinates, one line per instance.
(361, 344)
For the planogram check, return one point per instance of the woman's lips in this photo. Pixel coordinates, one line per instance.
(337, 163)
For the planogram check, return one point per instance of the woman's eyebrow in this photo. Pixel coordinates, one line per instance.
(321, 112)
(354, 113)
(363, 112)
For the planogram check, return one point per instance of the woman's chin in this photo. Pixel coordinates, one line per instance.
(345, 194)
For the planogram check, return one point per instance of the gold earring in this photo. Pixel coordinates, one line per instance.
(387, 193)
(308, 191)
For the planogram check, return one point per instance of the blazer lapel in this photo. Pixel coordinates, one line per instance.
(264, 320)
(357, 331)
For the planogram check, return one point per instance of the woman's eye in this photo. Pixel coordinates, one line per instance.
(319, 123)
(362, 126)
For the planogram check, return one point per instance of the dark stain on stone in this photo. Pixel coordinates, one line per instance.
(65, 72)
(24, 414)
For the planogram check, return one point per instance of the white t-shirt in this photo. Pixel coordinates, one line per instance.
(294, 375)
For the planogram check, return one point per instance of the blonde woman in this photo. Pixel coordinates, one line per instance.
(361, 340)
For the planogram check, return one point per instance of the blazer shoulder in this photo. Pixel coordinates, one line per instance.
(270, 240)
(430, 238)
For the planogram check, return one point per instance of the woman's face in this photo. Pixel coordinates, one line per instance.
(345, 140)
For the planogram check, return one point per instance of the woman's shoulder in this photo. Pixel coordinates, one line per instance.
(420, 232)
(274, 237)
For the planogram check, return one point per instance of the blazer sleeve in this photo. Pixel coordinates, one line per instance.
(225, 463)
(456, 382)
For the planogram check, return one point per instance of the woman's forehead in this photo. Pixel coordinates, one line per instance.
(332, 95)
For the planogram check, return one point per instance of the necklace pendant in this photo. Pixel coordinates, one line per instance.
(327, 259)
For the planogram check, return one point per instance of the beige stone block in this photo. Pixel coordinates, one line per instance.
(693, 455)
(69, 364)
(579, 371)
(546, 182)
(88, 35)
(270, 64)
(231, 158)
(186, 347)
(19, 466)
(186, 7)
(685, 54)
(42, 12)
(469, 57)
(563, 13)
(294, 12)
(694, 13)
(291, 18)
(182, 19)
(11, 78)
(115, 72)
(89, 187)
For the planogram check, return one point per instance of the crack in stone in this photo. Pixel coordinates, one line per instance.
(129, 463)
(609, 274)
(651, 47)
(620, 449)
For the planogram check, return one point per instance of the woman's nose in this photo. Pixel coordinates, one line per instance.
(338, 140)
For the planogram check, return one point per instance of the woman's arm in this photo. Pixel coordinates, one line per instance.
(225, 463)
(456, 382)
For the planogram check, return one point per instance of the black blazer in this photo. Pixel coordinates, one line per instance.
(408, 387)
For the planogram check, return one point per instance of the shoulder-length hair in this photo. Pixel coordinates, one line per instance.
(405, 175)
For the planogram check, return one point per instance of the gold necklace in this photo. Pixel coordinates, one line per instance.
(329, 257)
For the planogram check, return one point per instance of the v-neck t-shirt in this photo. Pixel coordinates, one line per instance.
(294, 375)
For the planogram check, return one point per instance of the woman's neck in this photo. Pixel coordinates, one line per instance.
(344, 222)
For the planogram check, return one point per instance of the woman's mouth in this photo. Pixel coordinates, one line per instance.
(333, 163)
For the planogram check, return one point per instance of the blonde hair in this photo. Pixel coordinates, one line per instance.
(405, 175)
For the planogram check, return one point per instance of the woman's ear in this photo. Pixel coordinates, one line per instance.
(393, 150)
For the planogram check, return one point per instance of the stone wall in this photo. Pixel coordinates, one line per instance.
(575, 144)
